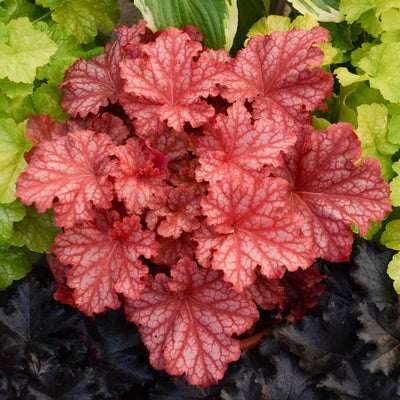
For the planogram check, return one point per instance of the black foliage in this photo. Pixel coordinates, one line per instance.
(346, 348)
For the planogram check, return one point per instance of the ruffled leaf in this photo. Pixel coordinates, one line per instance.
(232, 143)
(104, 254)
(137, 183)
(330, 192)
(163, 90)
(73, 169)
(187, 322)
(249, 230)
(275, 71)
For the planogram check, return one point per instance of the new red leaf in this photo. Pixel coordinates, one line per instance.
(137, 183)
(330, 192)
(72, 169)
(169, 84)
(301, 288)
(265, 292)
(42, 127)
(248, 229)
(187, 322)
(171, 250)
(184, 205)
(275, 71)
(233, 144)
(104, 256)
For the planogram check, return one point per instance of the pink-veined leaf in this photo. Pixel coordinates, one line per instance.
(184, 206)
(330, 192)
(137, 183)
(74, 169)
(104, 256)
(187, 322)
(233, 144)
(169, 84)
(250, 230)
(90, 85)
(171, 250)
(275, 71)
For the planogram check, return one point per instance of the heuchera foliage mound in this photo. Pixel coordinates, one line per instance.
(191, 187)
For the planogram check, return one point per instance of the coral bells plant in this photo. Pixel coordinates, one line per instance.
(191, 188)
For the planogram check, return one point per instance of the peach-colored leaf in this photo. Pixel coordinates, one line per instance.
(187, 322)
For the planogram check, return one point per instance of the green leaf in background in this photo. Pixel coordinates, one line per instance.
(22, 8)
(391, 236)
(395, 185)
(382, 65)
(394, 271)
(81, 18)
(216, 19)
(368, 13)
(321, 10)
(26, 49)
(13, 145)
(69, 50)
(14, 89)
(47, 100)
(15, 263)
(249, 11)
(372, 122)
(36, 231)
(9, 213)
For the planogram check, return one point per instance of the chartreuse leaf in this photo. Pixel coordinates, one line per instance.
(382, 65)
(394, 271)
(13, 145)
(9, 213)
(391, 236)
(15, 263)
(25, 50)
(372, 130)
(69, 50)
(14, 89)
(36, 231)
(368, 13)
(47, 100)
(217, 19)
(395, 186)
(321, 10)
(391, 239)
(82, 17)
(393, 135)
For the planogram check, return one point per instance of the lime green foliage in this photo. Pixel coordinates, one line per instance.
(81, 18)
(13, 145)
(217, 19)
(39, 40)
(372, 15)
(394, 271)
(15, 263)
(36, 231)
(321, 10)
(9, 213)
(24, 51)
(372, 131)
